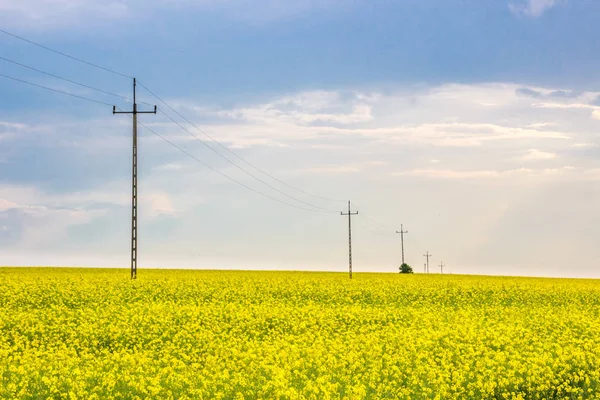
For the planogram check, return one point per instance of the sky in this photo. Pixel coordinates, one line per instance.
(473, 124)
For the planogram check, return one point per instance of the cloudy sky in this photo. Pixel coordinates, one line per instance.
(473, 123)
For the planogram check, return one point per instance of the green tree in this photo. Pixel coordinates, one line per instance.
(406, 269)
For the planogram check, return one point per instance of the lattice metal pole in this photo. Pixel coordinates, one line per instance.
(134, 182)
(402, 232)
(427, 265)
(349, 214)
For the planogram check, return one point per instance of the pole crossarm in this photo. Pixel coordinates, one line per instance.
(131, 112)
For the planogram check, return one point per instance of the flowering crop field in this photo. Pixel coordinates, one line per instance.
(95, 334)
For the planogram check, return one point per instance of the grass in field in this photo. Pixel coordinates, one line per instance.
(85, 334)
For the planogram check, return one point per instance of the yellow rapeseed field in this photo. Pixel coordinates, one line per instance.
(95, 334)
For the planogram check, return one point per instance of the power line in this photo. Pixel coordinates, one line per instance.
(165, 139)
(64, 79)
(55, 90)
(373, 222)
(223, 174)
(233, 153)
(65, 55)
(171, 108)
(242, 169)
(162, 101)
(375, 229)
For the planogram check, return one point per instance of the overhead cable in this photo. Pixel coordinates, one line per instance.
(243, 170)
(233, 153)
(55, 90)
(65, 55)
(162, 101)
(65, 79)
(222, 173)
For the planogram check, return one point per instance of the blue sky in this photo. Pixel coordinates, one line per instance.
(473, 123)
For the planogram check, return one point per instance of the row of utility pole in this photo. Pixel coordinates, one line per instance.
(134, 200)
(426, 265)
(401, 232)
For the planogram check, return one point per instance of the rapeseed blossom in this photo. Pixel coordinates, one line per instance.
(94, 334)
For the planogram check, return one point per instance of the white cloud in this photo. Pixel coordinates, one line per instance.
(40, 222)
(71, 14)
(360, 113)
(532, 8)
(377, 163)
(303, 108)
(160, 203)
(250, 142)
(29, 197)
(530, 173)
(464, 162)
(595, 110)
(565, 105)
(342, 169)
(538, 125)
(535, 154)
(41, 14)
(300, 117)
(7, 205)
(448, 174)
(456, 174)
(583, 145)
(168, 167)
(10, 130)
(11, 125)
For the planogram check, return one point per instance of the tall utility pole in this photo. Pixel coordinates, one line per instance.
(402, 232)
(134, 194)
(441, 268)
(349, 214)
(427, 265)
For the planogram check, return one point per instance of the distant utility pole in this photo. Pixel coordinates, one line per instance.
(349, 214)
(441, 268)
(427, 264)
(134, 195)
(402, 232)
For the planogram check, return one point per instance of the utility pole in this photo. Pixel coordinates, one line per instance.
(134, 189)
(441, 268)
(349, 214)
(402, 232)
(427, 265)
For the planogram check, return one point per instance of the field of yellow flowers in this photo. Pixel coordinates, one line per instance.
(95, 334)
